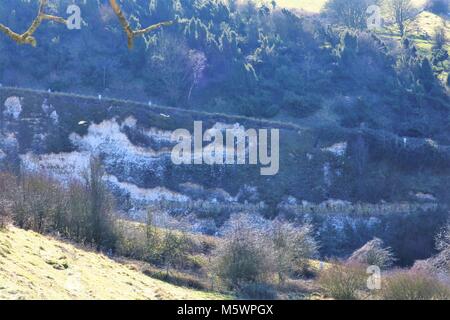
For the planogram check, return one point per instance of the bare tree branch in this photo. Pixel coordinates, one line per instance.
(131, 34)
(27, 36)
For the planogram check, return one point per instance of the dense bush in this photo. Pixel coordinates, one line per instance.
(258, 109)
(353, 114)
(343, 281)
(410, 285)
(301, 107)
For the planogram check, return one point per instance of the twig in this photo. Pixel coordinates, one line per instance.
(27, 36)
(131, 34)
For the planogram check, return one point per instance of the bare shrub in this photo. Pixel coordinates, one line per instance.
(8, 185)
(255, 251)
(243, 257)
(4, 213)
(292, 246)
(37, 202)
(343, 281)
(374, 253)
(438, 265)
(132, 242)
(443, 239)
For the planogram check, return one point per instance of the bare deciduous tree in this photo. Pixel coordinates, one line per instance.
(8, 186)
(401, 11)
(349, 13)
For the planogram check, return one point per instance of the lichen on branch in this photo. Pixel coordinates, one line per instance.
(131, 34)
(27, 36)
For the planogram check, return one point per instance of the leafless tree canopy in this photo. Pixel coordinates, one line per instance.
(401, 12)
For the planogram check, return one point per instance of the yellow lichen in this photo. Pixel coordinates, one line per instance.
(27, 36)
(131, 34)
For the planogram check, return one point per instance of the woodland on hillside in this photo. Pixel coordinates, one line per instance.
(258, 60)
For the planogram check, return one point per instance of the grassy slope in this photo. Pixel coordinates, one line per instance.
(33, 266)
(423, 28)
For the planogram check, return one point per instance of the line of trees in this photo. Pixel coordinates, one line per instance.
(83, 211)
(353, 13)
(80, 210)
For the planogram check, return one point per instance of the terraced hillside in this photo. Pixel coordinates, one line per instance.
(318, 178)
